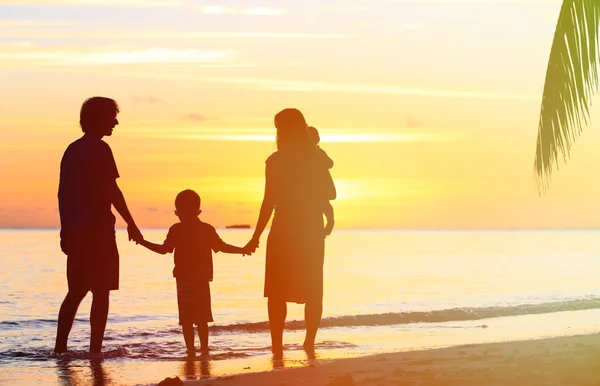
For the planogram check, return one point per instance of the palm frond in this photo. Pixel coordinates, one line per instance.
(571, 82)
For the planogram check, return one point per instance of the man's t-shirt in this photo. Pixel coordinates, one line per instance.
(194, 242)
(87, 174)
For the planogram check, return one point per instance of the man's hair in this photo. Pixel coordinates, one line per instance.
(187, 201)
(313, 136)
(94, 108)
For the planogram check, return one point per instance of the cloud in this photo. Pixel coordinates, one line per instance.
(147, 99)
(319, 86)
(151, 209)
(264, 11)
(216, 9)
(100, 3)
(120, 56)
(31, 29)
(195, 117)
(327, 135)
(412, 122)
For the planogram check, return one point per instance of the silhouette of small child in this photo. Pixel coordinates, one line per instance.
(193, 242)
(314, 139)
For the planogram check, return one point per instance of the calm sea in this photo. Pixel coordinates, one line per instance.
(384, 291)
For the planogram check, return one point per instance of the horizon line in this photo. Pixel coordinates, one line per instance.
(342, 229)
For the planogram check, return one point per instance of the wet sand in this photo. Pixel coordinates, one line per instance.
(555, 361)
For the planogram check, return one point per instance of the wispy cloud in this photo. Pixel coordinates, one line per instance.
(195, 117)
(264, 11)
(216, 9)
(331, 87)
(151, 99)
(102, 3)
(32, 30)
(119, 56)
(268, 135)
(318, 86)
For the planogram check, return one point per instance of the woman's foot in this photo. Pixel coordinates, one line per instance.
(204, 351)
(191, 353)
(308, 346)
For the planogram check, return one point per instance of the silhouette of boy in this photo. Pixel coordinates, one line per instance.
(193, 242)
(86, 191)
(314, 139)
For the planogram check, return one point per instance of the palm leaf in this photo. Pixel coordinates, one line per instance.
(571, 82)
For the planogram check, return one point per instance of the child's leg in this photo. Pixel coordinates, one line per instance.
(328, 212)
(203, 335)
(188, 336)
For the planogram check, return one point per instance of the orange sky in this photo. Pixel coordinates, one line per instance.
(429, 108)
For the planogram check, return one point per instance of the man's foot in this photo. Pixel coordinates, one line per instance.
(191, 353)
(60, 350)
(204, 351)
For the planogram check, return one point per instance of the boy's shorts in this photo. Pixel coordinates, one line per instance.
(193, 301)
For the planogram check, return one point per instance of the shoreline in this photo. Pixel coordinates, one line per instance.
(570, 360)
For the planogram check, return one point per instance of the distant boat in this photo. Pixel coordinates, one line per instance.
(238, 226)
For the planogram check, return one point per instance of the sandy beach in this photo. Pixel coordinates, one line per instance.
(555, 361)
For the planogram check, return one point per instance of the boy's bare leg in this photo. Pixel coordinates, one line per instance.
(66, 316)
(188, 336)
(277, 314)
(98, 318)
(312, 318)
(203, 335)
(328, 212)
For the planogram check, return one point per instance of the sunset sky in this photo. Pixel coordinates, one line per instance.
(429, 108)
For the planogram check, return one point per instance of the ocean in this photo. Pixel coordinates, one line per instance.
(385, 290)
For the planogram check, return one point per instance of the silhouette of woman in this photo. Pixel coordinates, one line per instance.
(298, 185)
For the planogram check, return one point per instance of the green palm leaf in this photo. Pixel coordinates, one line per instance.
(571, 82)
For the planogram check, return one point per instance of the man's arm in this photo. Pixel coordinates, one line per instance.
(118, 201)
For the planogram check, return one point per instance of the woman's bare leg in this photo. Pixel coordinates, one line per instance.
(312, 317)
(277, 314)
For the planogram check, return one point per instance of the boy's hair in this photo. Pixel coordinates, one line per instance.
(187, 201)
(94, 108)
(313, 136)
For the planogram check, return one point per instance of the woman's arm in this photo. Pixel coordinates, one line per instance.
(266, 208)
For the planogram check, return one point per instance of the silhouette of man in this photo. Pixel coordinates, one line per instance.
(86, 191)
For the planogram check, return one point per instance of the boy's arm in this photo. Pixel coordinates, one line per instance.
(228, 248)
(158, 248)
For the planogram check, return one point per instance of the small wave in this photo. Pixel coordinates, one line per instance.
(436, 316)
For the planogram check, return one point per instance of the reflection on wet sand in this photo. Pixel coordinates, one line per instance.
(71, 373)
(192, 371)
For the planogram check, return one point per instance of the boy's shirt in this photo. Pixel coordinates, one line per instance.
(327, 161)
(194, 242)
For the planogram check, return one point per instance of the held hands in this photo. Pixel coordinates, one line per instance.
(250, 248)
(134, 233)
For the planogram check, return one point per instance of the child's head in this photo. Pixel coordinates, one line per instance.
(187, 204)
(313, 136)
